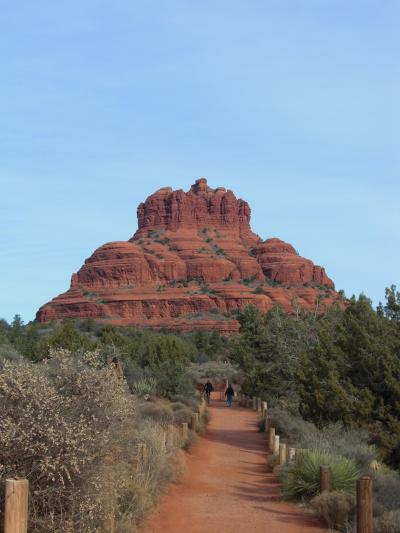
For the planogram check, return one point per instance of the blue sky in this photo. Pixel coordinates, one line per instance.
(292, 104)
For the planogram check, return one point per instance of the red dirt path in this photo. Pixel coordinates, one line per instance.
(228, 486)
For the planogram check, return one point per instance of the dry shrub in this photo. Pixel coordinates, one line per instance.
(192, 402)
(69, 425)
(272, 462)
(161, 466)
(182, 413)
(203, 422)
(58, 420)
(191, 440)
(337, 509)
(389, 522)
(161, 413)
(288, 425)
(387, 488)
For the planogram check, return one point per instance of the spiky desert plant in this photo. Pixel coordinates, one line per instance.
(302, 478)
(146, 386)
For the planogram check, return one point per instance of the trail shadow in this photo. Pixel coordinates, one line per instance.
(245, 438)
(261, 488)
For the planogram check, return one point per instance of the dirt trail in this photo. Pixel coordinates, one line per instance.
(227, 486)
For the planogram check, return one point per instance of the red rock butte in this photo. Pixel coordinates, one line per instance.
(191, 264)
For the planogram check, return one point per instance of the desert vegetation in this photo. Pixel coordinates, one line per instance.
(72, 424)
(333, 390)
(77, 405)
(343, 366)
(349, 454)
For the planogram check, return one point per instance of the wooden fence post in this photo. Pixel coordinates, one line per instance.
(282, 454)
(194, 421)
(16, 506)
(142, 454)
(170, 437)
(163, 440)
(271, 438)
(185, 431)
(364, 505)
(202, 407)
(292, 455)
(276, 445)
(264, 407)
(325, 478)
(258, 404)
(266, 422)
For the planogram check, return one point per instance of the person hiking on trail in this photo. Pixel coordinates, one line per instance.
(208, 390)
(229, 393)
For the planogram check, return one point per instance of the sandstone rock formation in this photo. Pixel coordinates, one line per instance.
(192, 262)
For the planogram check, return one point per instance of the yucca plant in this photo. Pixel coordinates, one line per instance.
(302, 479)
(144, 387)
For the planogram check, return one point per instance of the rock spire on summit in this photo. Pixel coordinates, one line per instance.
(192, 263)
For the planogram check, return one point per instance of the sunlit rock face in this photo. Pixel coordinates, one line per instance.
(193, 261)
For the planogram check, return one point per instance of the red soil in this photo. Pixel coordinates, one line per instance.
(228, 486)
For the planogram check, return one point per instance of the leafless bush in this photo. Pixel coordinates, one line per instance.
(69, 424)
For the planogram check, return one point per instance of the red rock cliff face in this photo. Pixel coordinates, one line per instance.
(193, 260)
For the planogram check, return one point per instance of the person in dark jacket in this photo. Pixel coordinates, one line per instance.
(208, 388)
(229, 393)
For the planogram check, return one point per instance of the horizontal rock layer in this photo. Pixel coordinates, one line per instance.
(193, 261)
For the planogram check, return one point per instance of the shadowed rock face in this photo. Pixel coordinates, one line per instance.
(193, 260)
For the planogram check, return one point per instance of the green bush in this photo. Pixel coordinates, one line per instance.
(303, 477)
(337, 509)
